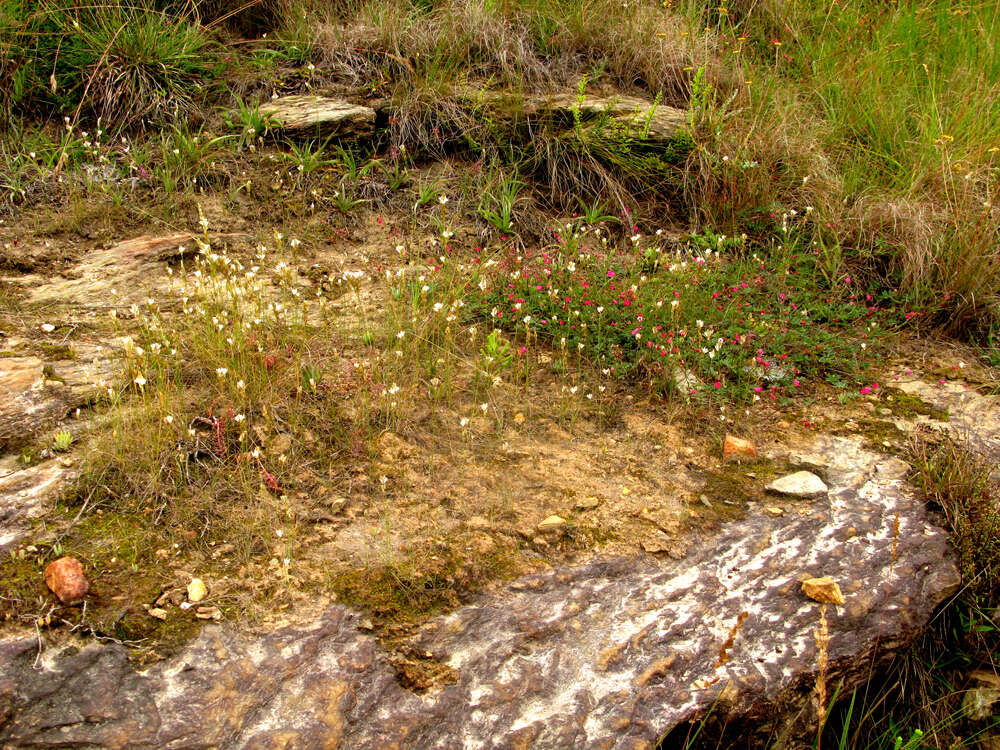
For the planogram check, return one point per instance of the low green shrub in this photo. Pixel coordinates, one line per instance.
(708, 318)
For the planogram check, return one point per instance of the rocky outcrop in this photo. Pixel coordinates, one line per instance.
(319, 116)
(655, 124)
(608, 654)
(968, 414)
(35, 394)
(122, 273)
(27, 492)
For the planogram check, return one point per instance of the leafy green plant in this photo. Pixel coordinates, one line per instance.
(296, 38)
(596, 212)
(427, 193)
(14, 178)
(308, 156)
(252, 122)
(499, 201)
(62, 441)
(701, 93)
(396, 175)
(495, 355)
(312, 376)
(352, 165)
(344, 199)
(187, 156)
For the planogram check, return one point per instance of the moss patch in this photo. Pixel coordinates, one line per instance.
(118, 553)
(394, 594)
(907, 405)
(56, 351)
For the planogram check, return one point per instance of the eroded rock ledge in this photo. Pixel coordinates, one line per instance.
(610, 654)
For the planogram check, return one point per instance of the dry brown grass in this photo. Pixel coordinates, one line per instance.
(429, 61)
(758, 155)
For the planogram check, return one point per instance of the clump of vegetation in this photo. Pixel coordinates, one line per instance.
(62, 441)
(896, 110)
(959, 482)
(122, 63)
(710, 318)
(208, 390)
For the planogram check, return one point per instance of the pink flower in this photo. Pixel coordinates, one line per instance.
(718, 384)
(865, 391)
(611, 274)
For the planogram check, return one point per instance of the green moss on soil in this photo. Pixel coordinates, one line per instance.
(55, 351)
(880, 434)
(395, 594)
(740, 483)
(907, 405)
(118, 555)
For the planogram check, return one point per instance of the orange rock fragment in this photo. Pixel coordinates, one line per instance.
(737, 449)
(66, 580)
(823, 589)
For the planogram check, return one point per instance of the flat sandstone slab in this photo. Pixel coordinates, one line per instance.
(26, 492)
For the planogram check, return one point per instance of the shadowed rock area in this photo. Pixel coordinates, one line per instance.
(608, 654)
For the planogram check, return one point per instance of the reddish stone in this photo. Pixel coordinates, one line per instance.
(66, 579)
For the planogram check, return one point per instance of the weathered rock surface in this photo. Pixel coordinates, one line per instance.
(319, 115)
(737, 449)
(608, 654)
(66, 580)
(971, 415)
(983, 695)
(802, 484)
(34, 397)
(130, 268)
(656, 123)
(25, 492)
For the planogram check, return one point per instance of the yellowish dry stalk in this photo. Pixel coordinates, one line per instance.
(822, 646)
